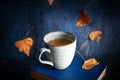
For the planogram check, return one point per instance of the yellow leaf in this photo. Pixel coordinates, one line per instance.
(83, 19)
(24, 45)
(89, 63)
(50, 1)
(95, 35)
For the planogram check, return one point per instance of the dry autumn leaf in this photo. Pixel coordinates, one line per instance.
(95, 35)
(50, 1)
(83, 19)
(89, 63)
(24, 45)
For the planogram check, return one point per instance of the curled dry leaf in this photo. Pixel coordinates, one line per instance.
(89, 64)
(24, 45)
(83, 19)
(50, 1)
(95, 35)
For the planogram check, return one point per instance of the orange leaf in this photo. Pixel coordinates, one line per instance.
(89, 64)
(95, 35)
(83, 19)
(24, 45)
(50, 1)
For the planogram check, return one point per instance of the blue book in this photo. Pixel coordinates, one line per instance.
(73, 72)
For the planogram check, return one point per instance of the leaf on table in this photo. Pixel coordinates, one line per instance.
(89, 63)
(95, 35)
(83, 19)
(50, 1)
(24, 45)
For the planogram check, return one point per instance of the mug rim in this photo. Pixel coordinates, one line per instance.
(74, 40)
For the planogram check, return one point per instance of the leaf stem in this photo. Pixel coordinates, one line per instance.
(80, 55)
(28, 32)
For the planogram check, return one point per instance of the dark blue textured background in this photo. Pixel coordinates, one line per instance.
(17, 16)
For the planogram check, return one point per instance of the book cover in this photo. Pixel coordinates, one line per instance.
(73, 72)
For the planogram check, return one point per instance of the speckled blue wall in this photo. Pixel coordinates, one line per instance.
(17, 16)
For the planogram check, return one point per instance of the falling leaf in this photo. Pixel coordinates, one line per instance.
(95, 35)
(50, 1)
(89, 63)
(83, 19)
(24, 45)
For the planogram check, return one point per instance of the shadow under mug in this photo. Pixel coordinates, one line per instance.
(59, 57)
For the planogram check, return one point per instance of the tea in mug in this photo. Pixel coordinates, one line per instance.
(60, 42)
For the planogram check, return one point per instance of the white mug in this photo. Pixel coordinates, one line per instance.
(60, 56)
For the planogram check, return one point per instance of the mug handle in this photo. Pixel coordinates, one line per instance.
(41, 51)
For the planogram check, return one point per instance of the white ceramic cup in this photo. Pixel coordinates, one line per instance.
(59, 57)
